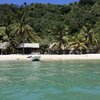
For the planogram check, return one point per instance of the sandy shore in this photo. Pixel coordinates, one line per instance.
(51, 57)
(71, 57)
(14, 57)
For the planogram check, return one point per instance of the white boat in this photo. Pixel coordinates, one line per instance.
(36, 57)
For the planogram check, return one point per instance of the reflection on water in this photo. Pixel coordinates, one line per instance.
(72, 80)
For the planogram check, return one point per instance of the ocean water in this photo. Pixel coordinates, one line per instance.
(67, 80)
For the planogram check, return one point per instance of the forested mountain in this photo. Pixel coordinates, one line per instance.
(45, 19)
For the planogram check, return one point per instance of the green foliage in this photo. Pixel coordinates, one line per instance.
(84, 2)
(3, 35)
(48, 22)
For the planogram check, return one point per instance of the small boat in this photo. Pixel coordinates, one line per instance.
(36, 57)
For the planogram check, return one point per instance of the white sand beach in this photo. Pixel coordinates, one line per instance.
(71, 57)
(51, 57)
(14, 57)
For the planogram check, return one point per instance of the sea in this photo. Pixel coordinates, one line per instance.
(50, 80)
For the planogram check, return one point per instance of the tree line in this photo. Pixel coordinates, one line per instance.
(69, 28)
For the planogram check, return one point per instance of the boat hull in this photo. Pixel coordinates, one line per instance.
(36, 58)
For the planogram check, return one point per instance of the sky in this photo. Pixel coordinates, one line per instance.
(19, 2)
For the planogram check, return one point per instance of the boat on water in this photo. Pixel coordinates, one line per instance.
(35, 57)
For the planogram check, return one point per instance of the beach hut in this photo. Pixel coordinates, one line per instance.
(28, 48)
(3, 47)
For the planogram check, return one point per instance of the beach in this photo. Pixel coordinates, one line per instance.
(51, 57)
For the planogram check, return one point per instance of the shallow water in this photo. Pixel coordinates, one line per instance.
(68, 80)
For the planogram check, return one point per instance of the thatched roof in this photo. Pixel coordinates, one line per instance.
(4, 45)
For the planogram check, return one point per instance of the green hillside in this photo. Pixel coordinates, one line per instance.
(48, 23)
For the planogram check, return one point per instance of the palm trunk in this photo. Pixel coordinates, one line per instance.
(23, 47)
(23, 44)
(61, 39)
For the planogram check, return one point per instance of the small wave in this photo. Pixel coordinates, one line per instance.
(96, 72)
(3, 78)
(73, 71)
(52, 74)
(30, 78)
(7, 68)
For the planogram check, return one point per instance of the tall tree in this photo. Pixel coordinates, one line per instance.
(91, 41)
(78, 44)
(60, 31)
(22, 31)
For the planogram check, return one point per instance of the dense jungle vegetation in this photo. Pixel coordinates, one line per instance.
(71, 26)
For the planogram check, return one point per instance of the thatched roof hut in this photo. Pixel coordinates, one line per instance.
(28, 48)
(4, 45)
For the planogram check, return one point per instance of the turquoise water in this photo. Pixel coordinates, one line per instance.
(69, 80)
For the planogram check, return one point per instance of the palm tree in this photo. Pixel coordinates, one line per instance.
(3, 35)
(78, 44)
(22, 31)
(91, 41)
(61, 37)
(6, 37)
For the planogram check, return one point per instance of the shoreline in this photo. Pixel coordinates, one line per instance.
(19, 57)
